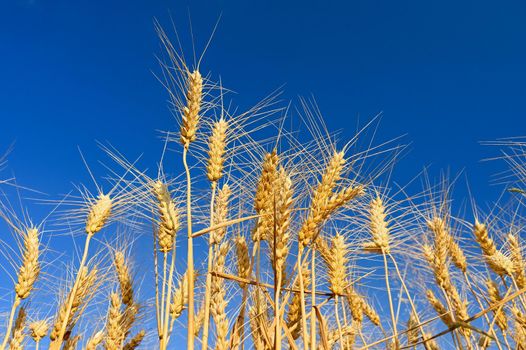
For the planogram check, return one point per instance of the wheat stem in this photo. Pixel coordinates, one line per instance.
(391, 307)
(10, 322)
(209, 269)
(190, 259)
(313, 301)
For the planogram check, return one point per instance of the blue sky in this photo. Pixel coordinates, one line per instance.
(446, 73)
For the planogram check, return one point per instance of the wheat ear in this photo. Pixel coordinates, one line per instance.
(218, 301)
(168, 216)
(495, 298)
(263, 202)
(38, 330)
(194, 96)
(27, 274)
(114, 337)
(518, 261)
(95, 340)
(71, 343)
(135, 341)
(216, 151)
(496, 260)
(18, 333)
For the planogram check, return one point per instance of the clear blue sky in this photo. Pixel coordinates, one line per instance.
(447, 73)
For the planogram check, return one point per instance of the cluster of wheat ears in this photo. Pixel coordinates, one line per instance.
(284, 241)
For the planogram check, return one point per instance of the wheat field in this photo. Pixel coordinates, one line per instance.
(266, 237)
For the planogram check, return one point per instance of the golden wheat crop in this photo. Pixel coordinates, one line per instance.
(252, 236)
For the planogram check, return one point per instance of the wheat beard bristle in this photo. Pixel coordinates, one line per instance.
(168, 217)
(98, 214)
(216, 151)
(191, 111)
(30, 269)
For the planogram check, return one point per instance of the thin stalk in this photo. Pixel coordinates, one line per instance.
(277, 337)
(391, 308)
(166, 322)
(313, 301)
(163, 295)
(340, 333)
(209, 269)
(191, 303)
(10, 323)
(302, 298)
(55, 345)
(158, 307)
(413, 307)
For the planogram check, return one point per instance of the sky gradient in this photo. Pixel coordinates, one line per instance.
(445, 74)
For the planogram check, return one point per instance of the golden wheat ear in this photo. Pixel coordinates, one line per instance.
(95, 340)
(19, 330)
(194, 96)
(26, 277)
